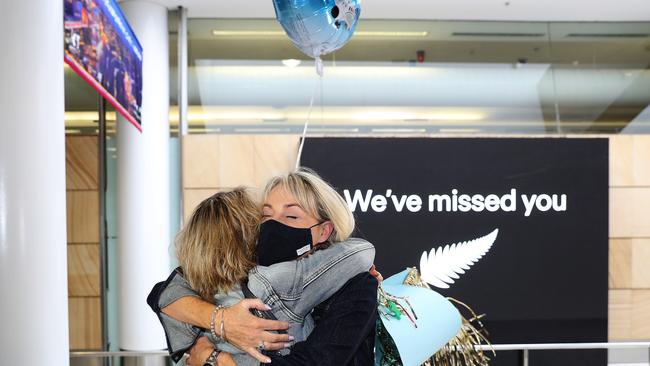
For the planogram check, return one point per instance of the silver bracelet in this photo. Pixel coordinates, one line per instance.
(213, 317)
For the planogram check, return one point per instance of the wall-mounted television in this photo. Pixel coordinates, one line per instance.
(102, 48)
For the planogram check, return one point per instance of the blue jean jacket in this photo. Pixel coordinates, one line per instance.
(292, 289)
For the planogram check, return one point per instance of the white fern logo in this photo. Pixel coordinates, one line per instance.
(442, 266)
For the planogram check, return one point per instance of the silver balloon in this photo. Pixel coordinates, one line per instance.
(318, 27)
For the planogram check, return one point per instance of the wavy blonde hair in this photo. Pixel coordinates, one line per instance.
(216, 247)
(318, 198)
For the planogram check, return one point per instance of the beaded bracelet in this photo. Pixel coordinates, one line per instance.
(213, 317)
(223, 331)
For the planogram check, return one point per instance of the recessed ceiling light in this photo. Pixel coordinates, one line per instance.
(263, 130)
(272, 33)
(246, 33)
(291, 62)
(459, 130)
(203, 129)
(331, 130)
(396, 34)
(399, 130)
(454, 116)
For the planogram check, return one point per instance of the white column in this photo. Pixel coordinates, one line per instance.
(143, 187)
(33, 255)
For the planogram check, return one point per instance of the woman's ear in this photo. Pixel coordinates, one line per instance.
(325, 231)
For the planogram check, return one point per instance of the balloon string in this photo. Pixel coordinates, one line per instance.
(311, 108)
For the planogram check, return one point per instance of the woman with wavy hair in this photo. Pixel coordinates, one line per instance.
(305, 256)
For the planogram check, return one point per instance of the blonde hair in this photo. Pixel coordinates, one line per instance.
(318, 198)
(217, 245)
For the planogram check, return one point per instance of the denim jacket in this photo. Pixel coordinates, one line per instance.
(292, 289)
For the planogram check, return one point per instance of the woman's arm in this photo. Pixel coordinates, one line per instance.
(174, 298)
(319, 275)
(200, 352)
(190, 310)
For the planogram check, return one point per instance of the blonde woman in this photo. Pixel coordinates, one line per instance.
(301, 214)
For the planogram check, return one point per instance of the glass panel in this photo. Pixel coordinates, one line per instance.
(81, 108)
(423, 77)
(601, 76)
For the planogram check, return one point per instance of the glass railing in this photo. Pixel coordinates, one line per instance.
(524, 350)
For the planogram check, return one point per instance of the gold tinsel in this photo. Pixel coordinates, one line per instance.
(459, 351)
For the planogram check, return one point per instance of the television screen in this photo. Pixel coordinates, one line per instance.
(102, 48)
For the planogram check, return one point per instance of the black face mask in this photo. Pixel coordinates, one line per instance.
(281, 243)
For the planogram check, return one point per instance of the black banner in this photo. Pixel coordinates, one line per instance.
(544, 279)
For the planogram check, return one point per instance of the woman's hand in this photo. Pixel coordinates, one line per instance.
(375, 273)
(248, 332)
(225, 359)
(200, 352)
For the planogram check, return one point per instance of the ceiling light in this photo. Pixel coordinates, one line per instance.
(272, 33)
(383, 115)
(460, 116)
(246, 33)
(263, 130)
(291, 62)
(390, 34)
(399, 130)
(459, 130)
(331, 130)
(203, 129)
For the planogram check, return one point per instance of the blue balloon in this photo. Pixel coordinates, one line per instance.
(318, 27)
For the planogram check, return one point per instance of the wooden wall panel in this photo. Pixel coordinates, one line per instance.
(619, 320)
(81, 157)
(83, 216)
(629, 212)
(228, 161)
(83, 270)
(83, 237)
(219, 162)
(629, 231)
(629, 315)
(85, 323)
(641, 314)
(192, 197)
(620, 264)
(640, 263)
(628, 264)
(274, 154)
(201, 165)
(237, 160)
(629, 160)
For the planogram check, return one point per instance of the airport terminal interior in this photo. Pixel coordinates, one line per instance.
(516, 99)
